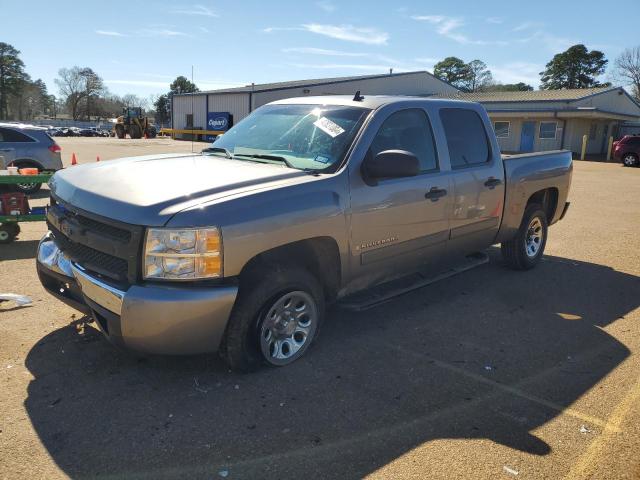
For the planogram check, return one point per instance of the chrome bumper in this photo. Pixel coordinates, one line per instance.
(150, 318)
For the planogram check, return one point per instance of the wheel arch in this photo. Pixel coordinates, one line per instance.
(319, 255)
(26, 163)
(548, 199)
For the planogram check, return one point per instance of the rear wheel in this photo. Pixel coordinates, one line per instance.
(526, 249)
(630, 160)
(276, 318)
(120, 131)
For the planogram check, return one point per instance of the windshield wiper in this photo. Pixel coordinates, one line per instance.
(226, 152)
(261, 156)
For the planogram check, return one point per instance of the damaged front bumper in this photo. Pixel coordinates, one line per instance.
(150, 318)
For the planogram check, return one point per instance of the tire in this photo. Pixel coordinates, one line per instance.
(151, 133)
(524, 252)
(134, 132)
(260, 331)
(630, 160)
(27, 188)
(120, 131)
(7, 234)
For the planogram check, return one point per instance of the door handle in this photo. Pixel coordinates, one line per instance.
(435, 193)
(492, 182)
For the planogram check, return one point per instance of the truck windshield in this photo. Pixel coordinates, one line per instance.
(306, 137)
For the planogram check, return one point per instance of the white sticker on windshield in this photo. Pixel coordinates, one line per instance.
(327, 126)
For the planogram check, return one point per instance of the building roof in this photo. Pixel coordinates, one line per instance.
(264, 87)
(527, 96)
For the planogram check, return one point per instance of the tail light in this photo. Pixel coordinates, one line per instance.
(55, 148)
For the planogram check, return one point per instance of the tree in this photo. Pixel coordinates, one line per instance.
(182, 85)
(162, 109)
(577, 67)
(628, 69)
(479, 76)
(81, 88)
(71, 85)
(453, 71)
(507, 87)
(12, 76)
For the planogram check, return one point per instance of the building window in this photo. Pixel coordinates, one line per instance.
(548, 130)
(189, 121)
(501, 129)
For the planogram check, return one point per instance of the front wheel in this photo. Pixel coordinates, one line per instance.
(630, 160)
(276, 318)
(526, 249)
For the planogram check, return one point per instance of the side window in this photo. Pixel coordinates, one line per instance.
(9, 135)
(466, 137)
(408, 130)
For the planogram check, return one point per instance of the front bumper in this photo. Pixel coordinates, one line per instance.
(148, 318)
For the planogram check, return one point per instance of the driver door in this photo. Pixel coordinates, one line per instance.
(397, 224)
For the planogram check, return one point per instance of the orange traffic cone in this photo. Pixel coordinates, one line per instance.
(74, 161)
(97, 158)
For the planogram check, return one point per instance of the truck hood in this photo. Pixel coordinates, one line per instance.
(149, 190)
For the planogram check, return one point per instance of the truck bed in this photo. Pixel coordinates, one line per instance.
(529, 173)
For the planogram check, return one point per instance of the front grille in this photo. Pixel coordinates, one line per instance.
(91, 259)
(108, 230)
(100, 245)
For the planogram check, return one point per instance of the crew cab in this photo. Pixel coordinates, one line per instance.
(306, 201)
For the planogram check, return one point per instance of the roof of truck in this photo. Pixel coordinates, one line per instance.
(368, 101)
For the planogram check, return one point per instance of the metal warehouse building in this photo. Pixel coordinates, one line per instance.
(557, 119)
(207, 110)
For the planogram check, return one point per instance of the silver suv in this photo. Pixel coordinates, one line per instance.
(28, 146)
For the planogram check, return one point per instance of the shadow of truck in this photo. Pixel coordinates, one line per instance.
(489, 354)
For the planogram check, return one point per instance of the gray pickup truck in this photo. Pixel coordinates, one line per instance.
(307, 201)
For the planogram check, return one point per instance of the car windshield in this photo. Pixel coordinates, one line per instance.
(306, 137)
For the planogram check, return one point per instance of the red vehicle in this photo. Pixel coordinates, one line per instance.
(627, 150)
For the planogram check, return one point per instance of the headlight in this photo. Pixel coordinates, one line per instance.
(183, 254)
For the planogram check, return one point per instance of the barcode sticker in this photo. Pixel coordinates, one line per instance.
(327, 126)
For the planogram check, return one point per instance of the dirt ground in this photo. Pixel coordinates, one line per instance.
(490, 374)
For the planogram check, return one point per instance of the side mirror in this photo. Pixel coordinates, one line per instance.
(391, 164)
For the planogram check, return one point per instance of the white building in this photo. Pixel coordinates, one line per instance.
(189, 111)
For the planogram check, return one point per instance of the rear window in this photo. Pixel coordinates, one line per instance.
(631, 140)
(10, 135)
(466, 137)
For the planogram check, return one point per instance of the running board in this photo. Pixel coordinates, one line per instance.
(384, 292)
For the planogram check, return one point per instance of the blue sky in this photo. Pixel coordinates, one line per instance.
(140, 47)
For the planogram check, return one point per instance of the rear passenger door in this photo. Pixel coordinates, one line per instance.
(7, 149)
(478, 179)
(395, 225)
(15, 145)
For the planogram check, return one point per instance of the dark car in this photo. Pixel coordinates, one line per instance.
(627, 150)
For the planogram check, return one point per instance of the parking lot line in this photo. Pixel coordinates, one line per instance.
(588, 460)
(513, 390)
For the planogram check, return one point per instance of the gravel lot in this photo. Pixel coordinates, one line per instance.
(490, 374)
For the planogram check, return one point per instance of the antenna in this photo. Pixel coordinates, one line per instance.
(192, 98)
(357, 97)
